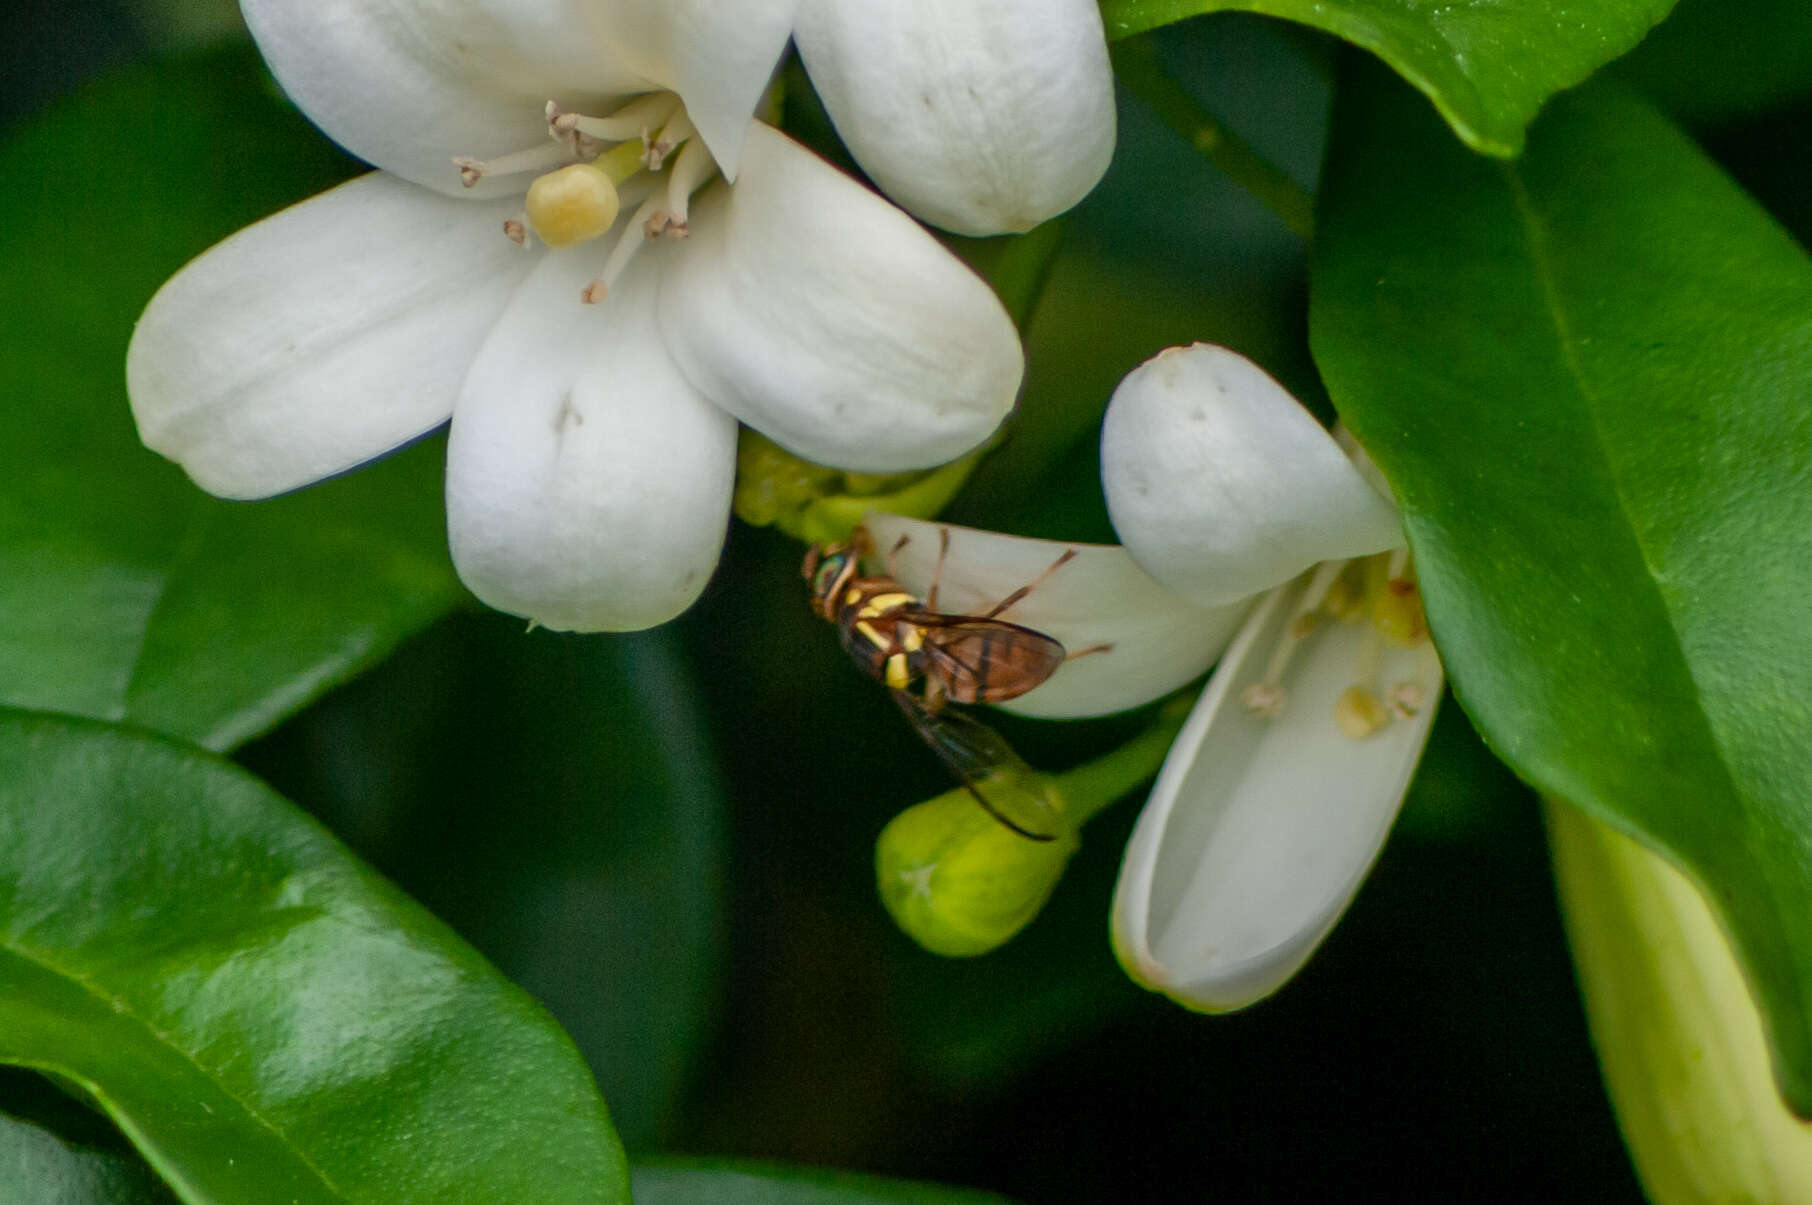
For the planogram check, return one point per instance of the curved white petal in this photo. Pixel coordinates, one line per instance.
(1259, 831)
(324, 335)
(1222, 485)
(588, 485)
(1159, 641)
(980, 118)
(717, 56)
(822, 316)
(409, 84)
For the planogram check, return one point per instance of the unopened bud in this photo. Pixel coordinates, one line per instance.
(1678, 1034)
(957, 880)
(773, 486)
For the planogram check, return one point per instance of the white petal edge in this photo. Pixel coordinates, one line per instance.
(321, 337)
(832, 323)
(719, 57)
(980, 118)
(588, 484)
(1221, 485)
(1258, 832)
(407, 85)
(1160, 642)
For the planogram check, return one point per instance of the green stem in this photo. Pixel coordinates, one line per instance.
(1136, 63)
(1089, 788)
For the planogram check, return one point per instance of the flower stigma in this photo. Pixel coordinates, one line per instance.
(647, 151)
(1379, 591)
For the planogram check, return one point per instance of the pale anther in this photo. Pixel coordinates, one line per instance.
(1360, 713)
(1265, 699)
(1406, 699)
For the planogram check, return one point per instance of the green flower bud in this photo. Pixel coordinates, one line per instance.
(1677, 1032)
(773, 486)
(958, 881)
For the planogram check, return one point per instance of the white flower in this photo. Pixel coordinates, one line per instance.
(593, 387)
(1279, 792)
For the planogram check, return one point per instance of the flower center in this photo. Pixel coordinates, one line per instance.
(1379, 591)
(647, 152)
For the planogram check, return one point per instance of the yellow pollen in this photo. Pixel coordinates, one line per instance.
(573, 205)
(1359, 712)
(1397, 613)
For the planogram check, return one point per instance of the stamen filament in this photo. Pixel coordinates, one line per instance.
(691, 171)
(631, 123)
(679, 129)
(538, 158)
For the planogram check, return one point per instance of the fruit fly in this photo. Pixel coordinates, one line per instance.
(927, 658)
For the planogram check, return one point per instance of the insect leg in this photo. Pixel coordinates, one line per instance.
(937, 573)
(1093, 648)
(1069, 554)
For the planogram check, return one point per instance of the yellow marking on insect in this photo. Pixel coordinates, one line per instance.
(897, 676)
(912, 639)
(851, 597)
(880, 604)
(873, 635)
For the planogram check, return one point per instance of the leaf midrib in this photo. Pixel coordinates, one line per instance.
(1535, 237)
(119, 1006)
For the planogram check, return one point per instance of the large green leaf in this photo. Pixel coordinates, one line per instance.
(1587, 376)
(736, 1183)
(126, 593)
(38, 1167)
(555, 799)
(266, 1018)
(1488, 66)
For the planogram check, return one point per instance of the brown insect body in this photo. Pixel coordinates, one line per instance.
(927, 658)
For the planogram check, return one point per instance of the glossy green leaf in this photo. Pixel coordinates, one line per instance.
(1488, 66)
(737, 1183)
(263, 1016)
(556, 799)
(125, 592)
(1587, 376)
(38, 1167)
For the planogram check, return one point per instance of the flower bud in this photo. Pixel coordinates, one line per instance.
(957, 880)
(1677, 1032)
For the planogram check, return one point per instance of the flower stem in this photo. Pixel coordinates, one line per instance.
(1136, 63)
(1090, 787)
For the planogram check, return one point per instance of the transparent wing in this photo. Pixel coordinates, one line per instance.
(999, 779)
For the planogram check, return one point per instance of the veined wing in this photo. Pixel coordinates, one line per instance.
(1001, 782)
(985, 660)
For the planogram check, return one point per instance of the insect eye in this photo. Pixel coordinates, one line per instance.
(828, 573)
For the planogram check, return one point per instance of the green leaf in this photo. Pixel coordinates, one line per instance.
(1713, 60)
(263, 1016)
(125, 592)
(738, 1183)
(1586, 375)
(556, 799)
(39, 1168)
(1488, 66)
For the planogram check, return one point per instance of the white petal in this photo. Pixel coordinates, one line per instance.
(1159, 641)
(409, 84)
(1221, 485)
(320, 337)
(718, 57)
(833, 323)
(1258, 832)
(588, 485)
(981, 118)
